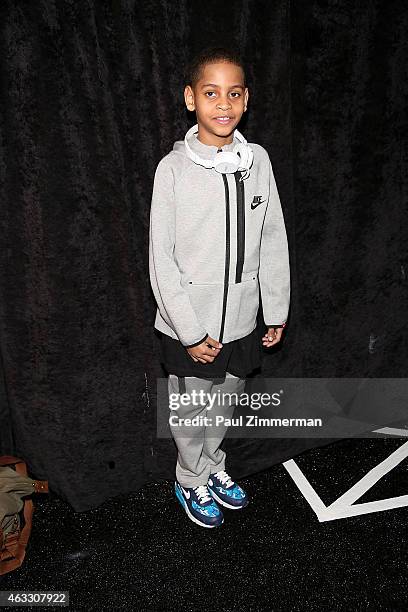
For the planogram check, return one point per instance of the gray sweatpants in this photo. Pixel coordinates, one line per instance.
(198, 445)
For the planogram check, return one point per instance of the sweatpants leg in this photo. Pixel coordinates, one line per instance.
(198, 446)
(213, 455)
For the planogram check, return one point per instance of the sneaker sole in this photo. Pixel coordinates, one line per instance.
(223, 503)
(191, 517)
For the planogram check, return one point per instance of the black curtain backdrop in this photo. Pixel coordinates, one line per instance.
(91, 100)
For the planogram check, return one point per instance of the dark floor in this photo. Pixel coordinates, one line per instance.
(141, 552)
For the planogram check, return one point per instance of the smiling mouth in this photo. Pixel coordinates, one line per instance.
(223, 120)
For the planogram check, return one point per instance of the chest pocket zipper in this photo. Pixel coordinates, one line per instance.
(240, 226)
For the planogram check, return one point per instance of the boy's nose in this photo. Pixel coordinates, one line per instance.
(223, 104)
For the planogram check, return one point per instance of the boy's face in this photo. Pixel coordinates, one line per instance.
(220, 92)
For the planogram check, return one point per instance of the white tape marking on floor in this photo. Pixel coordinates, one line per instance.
(373, 476)
(392, 431)
(365, 508)
(317, 505)
(343, 507)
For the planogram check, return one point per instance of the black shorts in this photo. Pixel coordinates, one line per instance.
(239, 357)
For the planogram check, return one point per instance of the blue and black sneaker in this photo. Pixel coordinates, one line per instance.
(227, 492)
(199, 505)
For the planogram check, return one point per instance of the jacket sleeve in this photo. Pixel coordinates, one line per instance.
(274, 270)
(172, 299)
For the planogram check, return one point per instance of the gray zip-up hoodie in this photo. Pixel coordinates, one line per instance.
(214, 240)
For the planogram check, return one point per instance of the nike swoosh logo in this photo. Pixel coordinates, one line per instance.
(254, 205)
(186, 493)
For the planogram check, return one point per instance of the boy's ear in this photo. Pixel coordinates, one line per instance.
(189, 98)
(246, 96)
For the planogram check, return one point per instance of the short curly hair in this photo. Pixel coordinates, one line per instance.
(210, 55)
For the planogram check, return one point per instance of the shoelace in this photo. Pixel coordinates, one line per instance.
(202, 493)
(224, 478)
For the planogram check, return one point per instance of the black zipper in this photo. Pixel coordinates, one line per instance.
(227, 255)
(240, 226)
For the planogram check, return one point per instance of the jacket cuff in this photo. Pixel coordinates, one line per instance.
(281, 325)
(196, 343)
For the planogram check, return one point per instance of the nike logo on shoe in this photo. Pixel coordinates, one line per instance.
(257, 201)
(186, 493)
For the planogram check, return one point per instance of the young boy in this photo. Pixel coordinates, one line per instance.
(217, 237)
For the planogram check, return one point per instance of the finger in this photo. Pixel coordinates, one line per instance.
(212, 348)
(213, 343)
(210, 352)
(275, 337)
(268, 344)
(194, 358)
(207, 359)
(207, 345)
(268, 337)
(201, 358)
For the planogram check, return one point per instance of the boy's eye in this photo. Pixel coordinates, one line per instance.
(211, 92)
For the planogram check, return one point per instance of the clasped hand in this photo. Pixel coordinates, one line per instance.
(208, 350)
